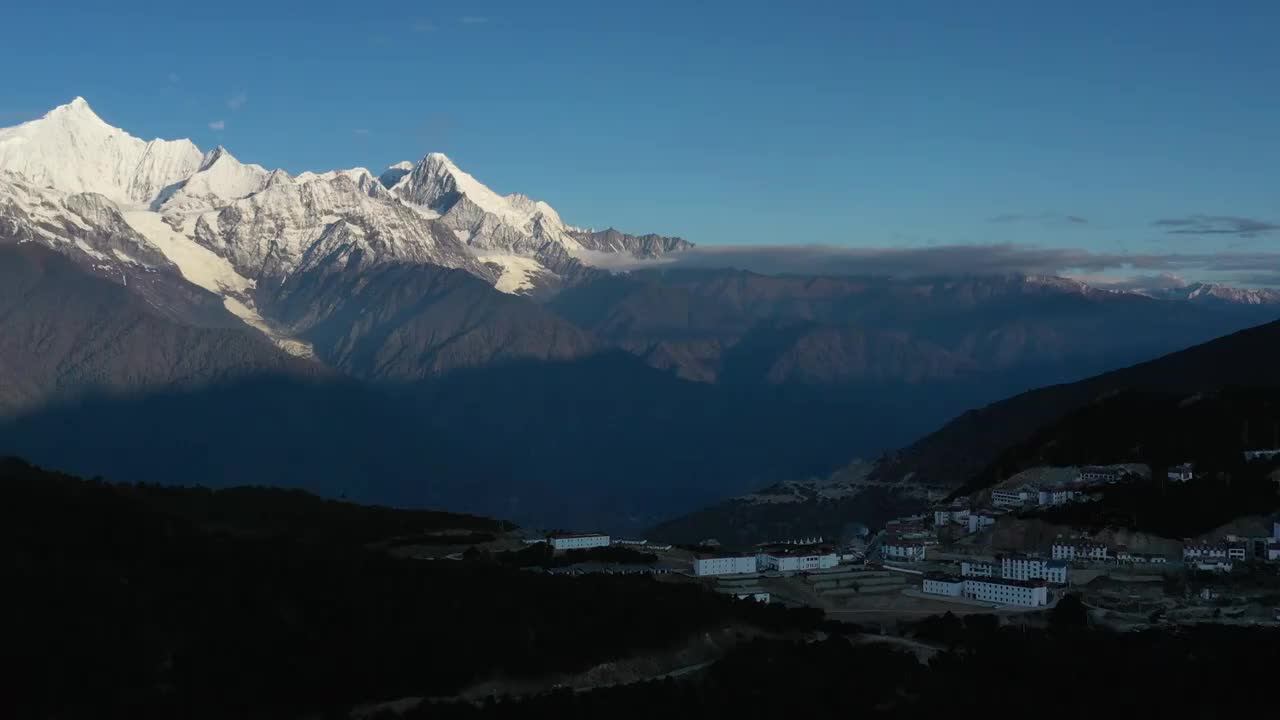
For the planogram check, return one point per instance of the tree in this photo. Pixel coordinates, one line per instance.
(1069, 613)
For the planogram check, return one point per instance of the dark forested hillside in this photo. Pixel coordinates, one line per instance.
(969, 445)
(132, 600)
(978, 668)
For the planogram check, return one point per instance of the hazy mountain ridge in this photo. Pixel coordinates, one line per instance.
(735, 326)
(1215, 398)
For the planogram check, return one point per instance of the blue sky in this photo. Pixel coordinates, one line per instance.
(869, 124)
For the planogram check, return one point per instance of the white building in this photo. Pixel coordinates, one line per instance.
(1057, 496)
(1273, 551)
(1186, 472)
(977, 569)
(1260, 454)
(980, 520)
(1014, 497)
(578, 541)
(1080, 551)
(724, 565)
(1192, 552)
(1024, 567)
(1099, 475)
(1209, 565)
(1237, 551)
(940, 584)
(1028, 593)
(946, 516)
(903, 550)
(796, 559)
(629, 541)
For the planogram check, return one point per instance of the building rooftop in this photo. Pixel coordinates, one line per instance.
(789, 551)
(567, 536)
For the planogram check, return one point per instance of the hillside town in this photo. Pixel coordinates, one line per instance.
(989, 551)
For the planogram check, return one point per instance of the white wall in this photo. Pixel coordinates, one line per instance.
(579, 542)
(703, 567)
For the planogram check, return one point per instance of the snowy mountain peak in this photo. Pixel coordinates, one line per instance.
(72, 149)
(438, 184)
(77, 110)
(215, 155)
(393, 174)
(227, 225)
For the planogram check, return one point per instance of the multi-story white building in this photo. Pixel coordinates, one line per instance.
(942, 584)
(1025, 567)
(796, 559)
(1057, 496)
(1099, 475)
(725, 565)
(1192, 552)
(1186, 472)
(578, 541)
(1237, 551)
(1260, 454)
(977, 569)
(903, 550)
(1080, 551)
(946, 516)
(980, 520)
(1014, 497)
(1028, 593)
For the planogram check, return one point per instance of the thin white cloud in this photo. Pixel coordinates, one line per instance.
(218, 125)
(235, 102)
(1146, 270)
(361, 131)
(474, 20)
(423, 26)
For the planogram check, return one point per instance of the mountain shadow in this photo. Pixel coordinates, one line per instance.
(599, 441)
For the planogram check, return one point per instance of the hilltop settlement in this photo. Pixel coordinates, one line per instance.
(1101, 532)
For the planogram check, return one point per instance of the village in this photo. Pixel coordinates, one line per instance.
(983, 553)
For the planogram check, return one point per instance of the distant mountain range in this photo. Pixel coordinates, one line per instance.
(416, 337)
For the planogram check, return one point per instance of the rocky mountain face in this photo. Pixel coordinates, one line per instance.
(68, 332)
(405, 322)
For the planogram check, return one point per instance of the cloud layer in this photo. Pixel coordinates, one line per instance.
(1044, 218)
(1216, 225)
(1120, 269)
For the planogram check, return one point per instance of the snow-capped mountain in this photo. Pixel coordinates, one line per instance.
(1216, 293)
(133, 209)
